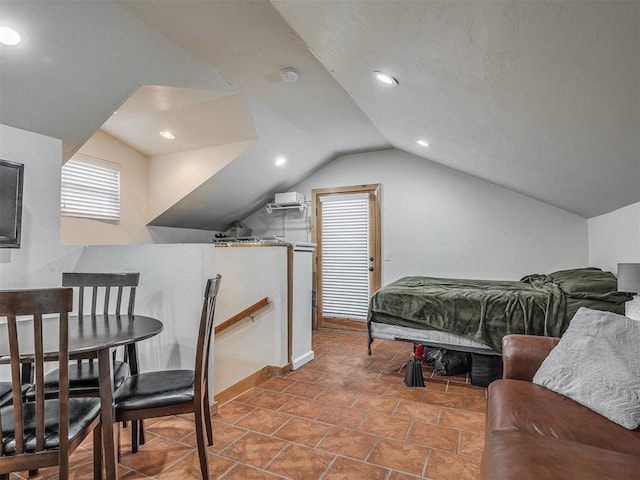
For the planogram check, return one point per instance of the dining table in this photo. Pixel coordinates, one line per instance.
(92, 336)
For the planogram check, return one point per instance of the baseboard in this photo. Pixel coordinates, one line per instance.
(249, 382)
(301, 360)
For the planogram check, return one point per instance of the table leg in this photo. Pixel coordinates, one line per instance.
(107, 413)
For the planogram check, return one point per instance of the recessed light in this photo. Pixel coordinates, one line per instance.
(8, 36)
(384, 78)
(423, 143)
(280, 161)
(167, 134)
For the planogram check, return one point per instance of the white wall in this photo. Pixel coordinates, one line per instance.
(439, 222)
(40, 260)
(248, 275)
(133, 199)
(171, 289)
(615, 238)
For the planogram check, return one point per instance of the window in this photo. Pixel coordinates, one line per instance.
(90, 188)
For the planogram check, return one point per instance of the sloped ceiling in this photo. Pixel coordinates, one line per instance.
(540, 97)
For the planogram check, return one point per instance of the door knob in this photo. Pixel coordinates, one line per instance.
(371, 259)
(371, 269)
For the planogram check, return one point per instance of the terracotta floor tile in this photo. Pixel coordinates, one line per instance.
(471, 444)
(303, 407)
(467, 390)
(422, 412)
(155, 456)
(301, 463)
(445, 466)
(475, 404)
(175, 428)
(339, 396)
(305, 375)
(376, 403)
(232, 412)
(463, 420)
(399, 456)
(386, 426)
(269, 400)
(346, 469)
(188, 468)
(402, 476)
(276, 383)
(342, 416)
(444, 399)
(263, 421)
(404, 392)
(433, 436)
(242, 472)
(306, 390)
(303, 431)
(436, 384)
(369, 387)
(347, 442)
(254, 449)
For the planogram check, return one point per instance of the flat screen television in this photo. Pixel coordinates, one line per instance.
(11, 180)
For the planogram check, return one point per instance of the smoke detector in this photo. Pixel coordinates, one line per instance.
(289, 75)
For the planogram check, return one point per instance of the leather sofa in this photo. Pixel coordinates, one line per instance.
(535, 434)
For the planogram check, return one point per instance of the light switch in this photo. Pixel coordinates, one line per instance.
(387, 255)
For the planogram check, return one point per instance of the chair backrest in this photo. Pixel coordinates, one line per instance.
(26, 343)
(204, 335)
(100, 285)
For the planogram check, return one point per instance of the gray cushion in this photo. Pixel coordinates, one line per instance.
(597, 364)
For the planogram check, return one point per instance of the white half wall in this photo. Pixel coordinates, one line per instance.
(248, 275)
(171, 289)
(615, 238)
(439, 222)
(40, 260)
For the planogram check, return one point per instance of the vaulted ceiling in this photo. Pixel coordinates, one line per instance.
(539, 97)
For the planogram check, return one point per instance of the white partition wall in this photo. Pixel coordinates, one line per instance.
(171, 289)
(250, 274)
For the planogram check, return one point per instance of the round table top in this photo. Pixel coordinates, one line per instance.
(87, 333)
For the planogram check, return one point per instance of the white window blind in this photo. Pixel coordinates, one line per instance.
(345, 255)
(90, 189)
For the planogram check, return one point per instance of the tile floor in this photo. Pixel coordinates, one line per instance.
(343, 416)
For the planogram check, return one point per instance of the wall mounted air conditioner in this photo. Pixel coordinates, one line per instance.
(289, 198)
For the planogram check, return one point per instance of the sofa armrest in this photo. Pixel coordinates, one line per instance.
(522, 355)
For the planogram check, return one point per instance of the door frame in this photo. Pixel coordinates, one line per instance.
(375, 247)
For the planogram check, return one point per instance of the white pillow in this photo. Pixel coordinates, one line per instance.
(597, 364)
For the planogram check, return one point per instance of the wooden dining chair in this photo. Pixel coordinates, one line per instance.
(99, 293)
(43, 432)
(172, 392)
(83, 376)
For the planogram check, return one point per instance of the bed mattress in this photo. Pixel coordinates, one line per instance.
(434, 338)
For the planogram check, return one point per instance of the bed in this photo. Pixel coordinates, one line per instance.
(474, 315)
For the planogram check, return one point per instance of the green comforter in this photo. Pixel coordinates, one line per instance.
(485, 311)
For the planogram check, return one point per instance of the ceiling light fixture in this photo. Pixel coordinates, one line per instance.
(423, 143)
(8, 36)
(167, 134)
(280, 161)
(289, 75)
(384, 78)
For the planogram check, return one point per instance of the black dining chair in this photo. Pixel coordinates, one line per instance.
(42, 432)
(172, 392)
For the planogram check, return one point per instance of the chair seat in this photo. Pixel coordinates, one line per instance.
(82, 411)
(83, 378)
(155, 389)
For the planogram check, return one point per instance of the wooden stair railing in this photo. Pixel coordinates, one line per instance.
(247, 312)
